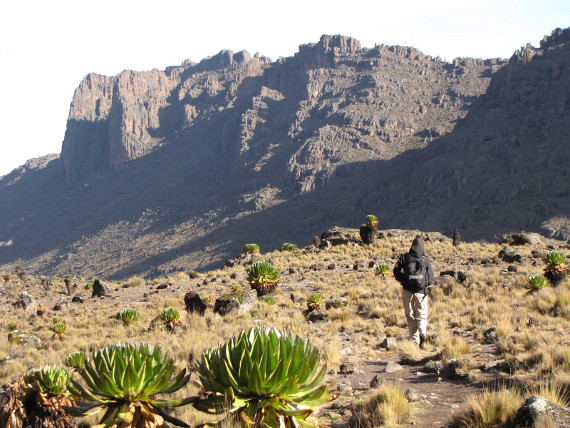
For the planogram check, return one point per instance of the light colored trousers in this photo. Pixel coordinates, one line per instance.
(416, 309)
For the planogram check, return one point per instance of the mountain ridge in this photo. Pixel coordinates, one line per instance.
(243, 147)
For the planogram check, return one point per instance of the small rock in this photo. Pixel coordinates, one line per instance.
(393, 367)
(433, 367)
(347, 367)
(412, 395)
(376, 380)
(462, 276)
(512, 268)
(451, 273)
(490, 334)
(162, 286)
(78, 298)
(509, 256)
(389, 343)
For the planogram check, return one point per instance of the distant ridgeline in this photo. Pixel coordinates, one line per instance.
(177, 169)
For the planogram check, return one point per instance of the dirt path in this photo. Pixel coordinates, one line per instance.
(436, 399)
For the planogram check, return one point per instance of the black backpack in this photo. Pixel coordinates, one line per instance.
(415, 274)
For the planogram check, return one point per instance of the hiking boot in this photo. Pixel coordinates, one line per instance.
(423, 342)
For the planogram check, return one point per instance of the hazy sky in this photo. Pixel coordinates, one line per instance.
(47, 47)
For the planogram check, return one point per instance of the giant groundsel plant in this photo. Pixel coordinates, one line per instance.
(263, 378)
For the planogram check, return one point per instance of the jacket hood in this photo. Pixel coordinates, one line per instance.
(417, 251)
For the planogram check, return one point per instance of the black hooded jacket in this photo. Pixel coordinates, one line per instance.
(416, 253)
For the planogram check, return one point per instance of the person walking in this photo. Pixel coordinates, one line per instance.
(413, 270)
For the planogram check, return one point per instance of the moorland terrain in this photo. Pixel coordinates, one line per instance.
(486, 330)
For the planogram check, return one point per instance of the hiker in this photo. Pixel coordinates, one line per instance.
(413, 270)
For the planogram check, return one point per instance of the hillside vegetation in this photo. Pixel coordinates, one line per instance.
(485, 326)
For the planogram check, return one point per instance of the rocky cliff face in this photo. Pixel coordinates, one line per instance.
(332, 103)
(177, 169)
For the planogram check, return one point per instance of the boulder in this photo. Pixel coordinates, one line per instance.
(509, 256)
(25, 301)
(27, 339)
(100, 289)
(538, 409)
(340, 302)
(235, 302)
(61, 303)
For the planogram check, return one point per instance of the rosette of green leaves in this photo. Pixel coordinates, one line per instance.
(59, 329)
(49, 381)
(287, 246)
(262, 273)
(371, 219)
(128, 316)
(555, 258)
(123, 379)
(263, 377)
(536, 282)
(75, 360)
(250, 248)
(382, 269)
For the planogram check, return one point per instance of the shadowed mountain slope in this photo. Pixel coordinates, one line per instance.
(177, 169)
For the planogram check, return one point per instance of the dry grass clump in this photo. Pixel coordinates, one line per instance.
(452, 346)
(490, 408)
(387, 406)
(134, 281)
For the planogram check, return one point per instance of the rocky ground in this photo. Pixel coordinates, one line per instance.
(366, 349)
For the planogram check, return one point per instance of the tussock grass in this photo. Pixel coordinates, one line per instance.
(491, 408)
(387, 406)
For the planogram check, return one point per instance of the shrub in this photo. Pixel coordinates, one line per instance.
(56, 320)
(288, 247)
(11, 326)
(134, 281)
(263, 278)
(263, 377)
(536, 282)
(89, 285)
(236, 288)
(122, 379)
(127, 316)
(269, 300)
(250, 248)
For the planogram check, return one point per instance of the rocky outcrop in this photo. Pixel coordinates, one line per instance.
(538, 409)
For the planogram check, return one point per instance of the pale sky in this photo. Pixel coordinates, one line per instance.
(47, 47)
